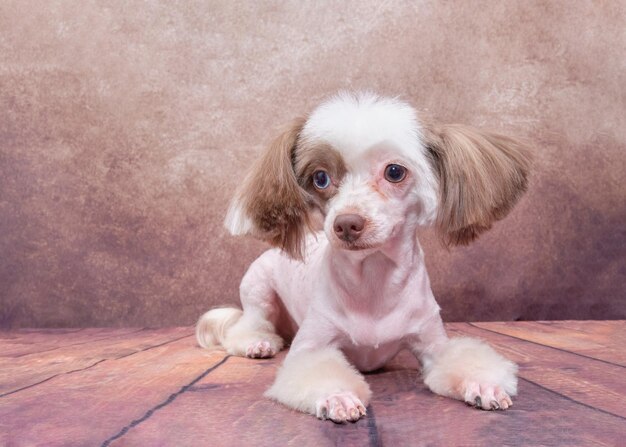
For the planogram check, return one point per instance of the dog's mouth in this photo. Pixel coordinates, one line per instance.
(356, 245)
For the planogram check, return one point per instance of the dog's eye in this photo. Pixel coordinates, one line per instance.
(395, 173)
(321, 179)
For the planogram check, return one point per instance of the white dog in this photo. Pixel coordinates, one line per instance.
(358, 292)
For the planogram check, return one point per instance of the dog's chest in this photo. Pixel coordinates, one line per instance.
(369, 343)
(366, 358)
(367, 331)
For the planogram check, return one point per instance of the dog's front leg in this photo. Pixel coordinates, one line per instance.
(316, 378)
(465, 368)
(321, 382)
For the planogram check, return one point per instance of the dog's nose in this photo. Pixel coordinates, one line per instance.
(348, 227)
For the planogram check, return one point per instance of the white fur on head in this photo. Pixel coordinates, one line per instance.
(355, 123)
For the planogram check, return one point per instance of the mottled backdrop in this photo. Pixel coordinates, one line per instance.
(125, 126)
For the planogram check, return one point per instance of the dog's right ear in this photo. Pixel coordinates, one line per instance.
(270, 204)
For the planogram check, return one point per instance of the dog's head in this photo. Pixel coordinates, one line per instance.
(370, 168)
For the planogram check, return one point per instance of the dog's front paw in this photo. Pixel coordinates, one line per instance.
(340, 407)
(470, 370)
(262, 350)
(256, 345)
(487, 397)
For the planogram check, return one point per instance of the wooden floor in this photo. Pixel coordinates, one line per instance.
(155, 387)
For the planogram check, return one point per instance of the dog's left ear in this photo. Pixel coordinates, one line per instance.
(481, 177)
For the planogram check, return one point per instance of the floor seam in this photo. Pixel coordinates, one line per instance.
(90, 366)
(72, 344)
(166, 402)
(572, 400)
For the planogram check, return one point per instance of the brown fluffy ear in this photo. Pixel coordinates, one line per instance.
(481, 177)
(270, 204)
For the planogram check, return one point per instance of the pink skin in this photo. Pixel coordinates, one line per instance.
(369, 305)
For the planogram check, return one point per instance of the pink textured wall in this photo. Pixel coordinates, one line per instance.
(125, 126)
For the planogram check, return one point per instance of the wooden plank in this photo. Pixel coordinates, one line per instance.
(230, 402)
(227, 408)
(587, 381)
(29, 369)
(17, 333)
(23, 342)
(399, 400)
(600, 340)
(407, 413)
(591, 327)
(140, 393)
(88, 407)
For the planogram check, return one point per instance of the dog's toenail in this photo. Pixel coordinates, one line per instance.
(495, 405)
(478, 402)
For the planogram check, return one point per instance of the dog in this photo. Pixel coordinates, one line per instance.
(340, 195)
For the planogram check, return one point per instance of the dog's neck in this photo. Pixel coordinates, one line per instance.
(366, 275)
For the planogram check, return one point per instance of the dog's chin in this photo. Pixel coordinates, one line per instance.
(368, 242)
(355, 246)
(359, 245)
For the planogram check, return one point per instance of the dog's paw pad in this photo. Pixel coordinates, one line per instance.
(340, 407)
(487, 397)
(260, 350)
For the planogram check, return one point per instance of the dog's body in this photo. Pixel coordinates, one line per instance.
(358, 292)
(369, 309)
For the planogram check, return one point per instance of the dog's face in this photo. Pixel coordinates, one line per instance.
(362, 165)
(370, 168)
(364, 203)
